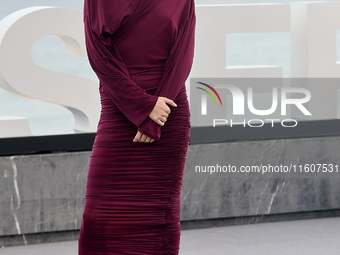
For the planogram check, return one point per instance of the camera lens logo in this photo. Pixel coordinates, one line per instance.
(210, 87)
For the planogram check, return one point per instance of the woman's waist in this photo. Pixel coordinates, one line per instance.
(146, 83)
(107, 102)
(146, 79)
(111, 112)
(182, 94)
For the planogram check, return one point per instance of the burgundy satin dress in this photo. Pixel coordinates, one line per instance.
(139, 50)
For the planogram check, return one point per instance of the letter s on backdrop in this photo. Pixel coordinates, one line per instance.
(21, 76)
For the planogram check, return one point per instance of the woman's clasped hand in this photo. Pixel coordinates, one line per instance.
(159, 114)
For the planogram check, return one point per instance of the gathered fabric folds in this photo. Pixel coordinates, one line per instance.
(140, 50)
(132, 201)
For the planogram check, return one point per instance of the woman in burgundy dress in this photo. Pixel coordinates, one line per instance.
(142, 52)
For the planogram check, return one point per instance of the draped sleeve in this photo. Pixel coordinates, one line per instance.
(177, 66)
(102, 19)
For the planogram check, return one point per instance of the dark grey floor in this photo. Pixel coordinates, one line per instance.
(302, 237)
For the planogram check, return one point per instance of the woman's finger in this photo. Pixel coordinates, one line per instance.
(137, 137)
(147, 140)
(163, 119)
(142, 138)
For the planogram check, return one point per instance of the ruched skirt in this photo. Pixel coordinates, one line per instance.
(133, 190)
